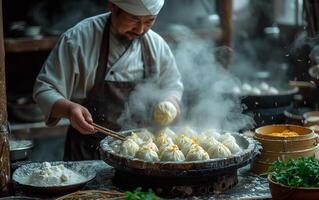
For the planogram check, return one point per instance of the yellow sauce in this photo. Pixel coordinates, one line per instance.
(285, 133)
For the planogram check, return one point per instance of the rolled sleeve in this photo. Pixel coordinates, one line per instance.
(56, 79)
(46, 100)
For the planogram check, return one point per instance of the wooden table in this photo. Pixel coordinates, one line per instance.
(249, 187)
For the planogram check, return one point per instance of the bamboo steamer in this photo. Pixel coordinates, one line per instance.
(283, 148)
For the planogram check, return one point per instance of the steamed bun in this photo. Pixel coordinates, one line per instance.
(219, 151)
(135, 138)
(172, 154)
(150, 144)
(145, 135)
(232, 145)
(197, 153)
(147, 154)
(129, 148)
(163, 139)
(164, 113)
(208, 142)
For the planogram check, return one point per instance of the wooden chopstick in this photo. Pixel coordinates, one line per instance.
(109, 132)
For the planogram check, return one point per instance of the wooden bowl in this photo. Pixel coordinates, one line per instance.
(282, 192)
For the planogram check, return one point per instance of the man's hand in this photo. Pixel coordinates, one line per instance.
(80, 118)
(164, 113)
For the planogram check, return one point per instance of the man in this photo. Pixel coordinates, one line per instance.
(96, 65)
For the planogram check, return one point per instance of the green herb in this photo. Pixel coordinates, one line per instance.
(302, 172)
(139, 195)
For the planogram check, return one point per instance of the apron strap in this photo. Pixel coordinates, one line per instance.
(149, 63)
(103, 59)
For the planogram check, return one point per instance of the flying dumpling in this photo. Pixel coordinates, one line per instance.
(172, 154)
(197, 153)
(232, 145)
(147, 154)
(219, 151)
(129, 147)
(165, 113)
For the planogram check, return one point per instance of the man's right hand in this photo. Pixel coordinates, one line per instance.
(81, 119)
(79, 116)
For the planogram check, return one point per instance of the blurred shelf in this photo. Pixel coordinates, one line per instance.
(14, 126)
(27, 44)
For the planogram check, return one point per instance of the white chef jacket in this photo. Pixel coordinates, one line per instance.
(69, 71)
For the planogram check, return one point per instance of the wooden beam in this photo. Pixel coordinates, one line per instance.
(3, 102)
(225, 11)
(4, 134)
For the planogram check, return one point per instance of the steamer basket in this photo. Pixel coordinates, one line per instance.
(282, 148)
(181, 169)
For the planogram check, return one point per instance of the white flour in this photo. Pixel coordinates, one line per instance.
(58, 175)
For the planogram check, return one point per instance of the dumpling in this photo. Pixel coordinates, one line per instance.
(145, 135)
(164, 113)
(150, 144)
(273, 90)
(183, 140)
(264, 86)
(135, 138)
(172, 154)
(185, 143)
(211, 132)
(188, 131)
(208, 142)
(129, 147)
(246, 88)
(163, 139)
(226, 136)
(167, 131)
(147, 154)
(164, 147)
(232, 146)
(197, 153)
(219, 151)
(255, 91)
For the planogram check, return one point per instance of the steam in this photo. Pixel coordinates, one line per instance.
(206, 101)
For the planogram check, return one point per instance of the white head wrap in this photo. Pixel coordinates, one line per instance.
(140, 7)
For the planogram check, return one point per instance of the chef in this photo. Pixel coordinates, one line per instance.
(96, 65)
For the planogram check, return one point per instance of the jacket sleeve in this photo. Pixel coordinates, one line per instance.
(170, 77)
(57, 78)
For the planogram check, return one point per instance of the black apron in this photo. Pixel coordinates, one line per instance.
(106, 102)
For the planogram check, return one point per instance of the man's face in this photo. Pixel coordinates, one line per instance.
(130, 26)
